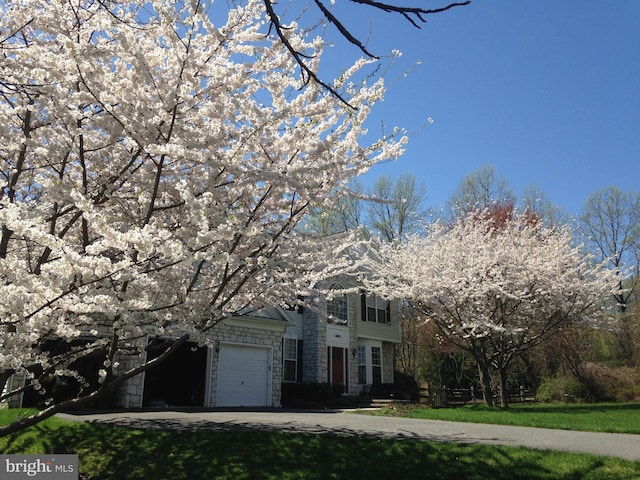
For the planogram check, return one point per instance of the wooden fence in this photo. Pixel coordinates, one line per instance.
(444, 396)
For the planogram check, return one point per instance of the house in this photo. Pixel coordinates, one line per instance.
(241, 367)
(348, 339)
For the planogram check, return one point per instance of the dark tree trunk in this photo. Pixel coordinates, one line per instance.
(504, 392)
(485, 383)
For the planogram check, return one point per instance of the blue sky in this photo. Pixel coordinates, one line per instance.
(546, 91)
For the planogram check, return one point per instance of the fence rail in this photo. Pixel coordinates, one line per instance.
(441, 397)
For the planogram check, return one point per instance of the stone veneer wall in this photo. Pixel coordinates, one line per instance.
(354, 319)
(314, 347)
(250, 336)
(387, 362)
(131, 393)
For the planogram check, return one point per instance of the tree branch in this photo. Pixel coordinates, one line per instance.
(408, 11)
(26, 422)
(307, 73)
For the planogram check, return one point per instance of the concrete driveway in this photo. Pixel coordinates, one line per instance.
(349, 423)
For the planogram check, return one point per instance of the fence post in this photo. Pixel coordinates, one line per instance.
(521, 394)
(439, 397)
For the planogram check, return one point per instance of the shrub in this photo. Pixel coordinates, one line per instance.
(561, 389)
(310, 395)
(408, 385)
(613, 383)
(597, 383)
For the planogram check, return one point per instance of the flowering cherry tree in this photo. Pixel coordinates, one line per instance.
(494, 285)
(154, 166)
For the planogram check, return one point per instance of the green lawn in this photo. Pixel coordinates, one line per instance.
(107, 452)
(599, 417)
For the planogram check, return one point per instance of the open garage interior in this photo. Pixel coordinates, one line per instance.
(61, 388)
(179, 381)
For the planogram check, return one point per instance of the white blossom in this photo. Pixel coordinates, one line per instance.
(494, 289)
(156, 161)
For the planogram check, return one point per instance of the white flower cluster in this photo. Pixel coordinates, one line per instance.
(156, 166)
(494, 287)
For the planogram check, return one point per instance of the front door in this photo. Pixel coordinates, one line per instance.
(337, 366)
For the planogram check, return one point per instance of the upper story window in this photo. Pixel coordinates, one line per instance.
(375, 309)
(337, 307)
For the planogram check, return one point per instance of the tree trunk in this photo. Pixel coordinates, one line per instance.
(4, 377)
(485, 383)
(504, 392)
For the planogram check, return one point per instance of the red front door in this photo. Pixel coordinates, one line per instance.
(337, 368)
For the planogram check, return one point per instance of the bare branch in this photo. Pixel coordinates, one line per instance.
(408, 11)
(307, 73)
(342, 29)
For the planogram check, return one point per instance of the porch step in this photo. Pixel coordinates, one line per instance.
(385, 402)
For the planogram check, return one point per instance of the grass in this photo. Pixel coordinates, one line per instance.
(109, 452)
(603, 417)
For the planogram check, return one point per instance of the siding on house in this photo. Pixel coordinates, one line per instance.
(380, 331)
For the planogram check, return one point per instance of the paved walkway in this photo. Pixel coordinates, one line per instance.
(348, 423)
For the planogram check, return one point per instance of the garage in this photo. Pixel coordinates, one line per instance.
(180, 380)
(244, 376)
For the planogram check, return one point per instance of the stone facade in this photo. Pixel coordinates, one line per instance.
(260, 332)
(388, 351)
(314, 338)
(254, 336)
(130, 393)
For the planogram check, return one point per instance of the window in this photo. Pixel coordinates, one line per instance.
(376, 364)
(375, 309)
(290, 359)
(362, 364)
(337, 308)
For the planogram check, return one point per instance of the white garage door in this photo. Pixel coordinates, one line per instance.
(243, 377)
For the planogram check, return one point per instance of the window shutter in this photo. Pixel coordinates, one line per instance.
(388, 312)
(299, 366)
(363, 306)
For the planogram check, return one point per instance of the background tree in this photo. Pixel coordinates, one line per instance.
(494, 285)
(429, 357)
(395, 208)
(344, 213)
(155, 167)
(536, 202)
(481, 189)
(610, 222)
